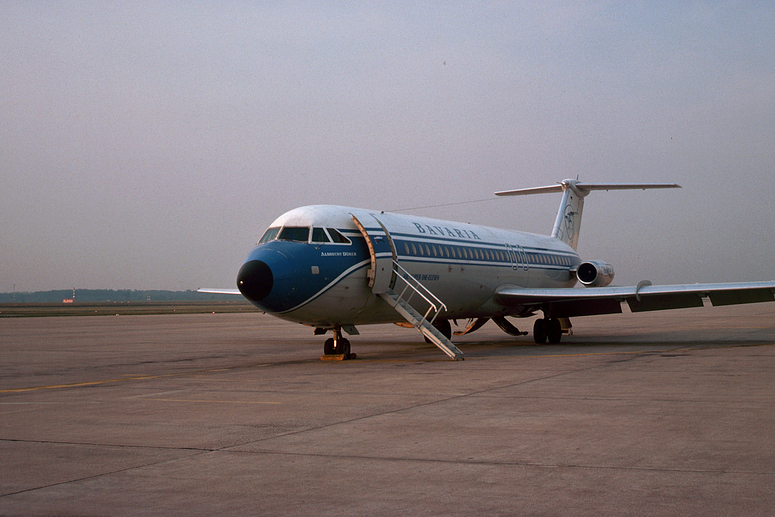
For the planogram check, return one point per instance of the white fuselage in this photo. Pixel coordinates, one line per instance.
(308, 277)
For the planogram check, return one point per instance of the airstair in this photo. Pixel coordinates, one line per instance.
(394, 284)
(400, 296)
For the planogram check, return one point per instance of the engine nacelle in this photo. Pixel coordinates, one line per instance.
(595, 273)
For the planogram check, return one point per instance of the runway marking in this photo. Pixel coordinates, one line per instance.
(218, 401)
(125, 379)
(155, 394)
(90, 383)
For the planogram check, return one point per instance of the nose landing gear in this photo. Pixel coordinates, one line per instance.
(337, 348)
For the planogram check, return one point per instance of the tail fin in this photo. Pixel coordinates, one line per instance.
(568, 222)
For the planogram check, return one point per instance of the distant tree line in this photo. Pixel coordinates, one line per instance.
(113, 295)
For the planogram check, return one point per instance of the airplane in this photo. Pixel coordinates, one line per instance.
(334, 268)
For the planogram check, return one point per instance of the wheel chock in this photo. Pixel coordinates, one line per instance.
(337, 357)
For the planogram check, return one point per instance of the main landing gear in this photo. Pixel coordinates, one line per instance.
(547, 329)
(337, 347)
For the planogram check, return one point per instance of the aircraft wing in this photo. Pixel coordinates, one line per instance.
(218, 291)
(564, 303)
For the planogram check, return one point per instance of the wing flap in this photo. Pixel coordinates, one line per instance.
(738, 297)
(586, 307)
(660, 302)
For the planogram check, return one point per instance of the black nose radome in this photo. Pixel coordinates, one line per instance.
(255, 280)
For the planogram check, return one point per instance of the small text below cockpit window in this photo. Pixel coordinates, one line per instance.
(269, 235)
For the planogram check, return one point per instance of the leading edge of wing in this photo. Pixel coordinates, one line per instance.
(568, 302)
(208, 290)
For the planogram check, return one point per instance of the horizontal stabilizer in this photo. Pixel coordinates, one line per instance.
(568, 222)
(585, 188)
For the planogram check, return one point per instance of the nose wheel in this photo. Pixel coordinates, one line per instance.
(337, 347)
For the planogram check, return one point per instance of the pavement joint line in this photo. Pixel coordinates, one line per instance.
(456, 397)
(110, 445)
(197, 451)
(109, 473)
(415, 406)
(505, 463)
(256, 365)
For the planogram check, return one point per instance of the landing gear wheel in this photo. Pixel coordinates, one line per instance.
(342, 346)
(328, 346)
(553, 330)
(539, 331)
(337, 346)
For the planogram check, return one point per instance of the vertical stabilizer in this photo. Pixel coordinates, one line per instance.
(568, 222)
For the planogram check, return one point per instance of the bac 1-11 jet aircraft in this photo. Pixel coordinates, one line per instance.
(334, 267)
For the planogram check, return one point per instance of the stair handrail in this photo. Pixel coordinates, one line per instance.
(425, 293)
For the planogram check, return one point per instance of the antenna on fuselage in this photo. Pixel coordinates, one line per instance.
(568, 222)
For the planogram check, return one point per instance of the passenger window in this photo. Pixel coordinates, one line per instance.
(337, 237)
(406, 248)
(269, 235)
(319, 235)
(294, 233)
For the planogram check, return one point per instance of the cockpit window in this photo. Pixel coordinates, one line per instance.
(337, 237)
(294, 233)
(319, 235)
(269, 235)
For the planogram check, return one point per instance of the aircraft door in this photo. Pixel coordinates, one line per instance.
(382, 252)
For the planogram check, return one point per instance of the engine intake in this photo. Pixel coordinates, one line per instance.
(595, 273)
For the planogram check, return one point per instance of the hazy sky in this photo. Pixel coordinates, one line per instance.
(147, 145)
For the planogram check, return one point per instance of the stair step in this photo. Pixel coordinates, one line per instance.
(423, 325)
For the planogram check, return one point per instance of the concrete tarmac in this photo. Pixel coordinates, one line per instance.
(669, 413)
